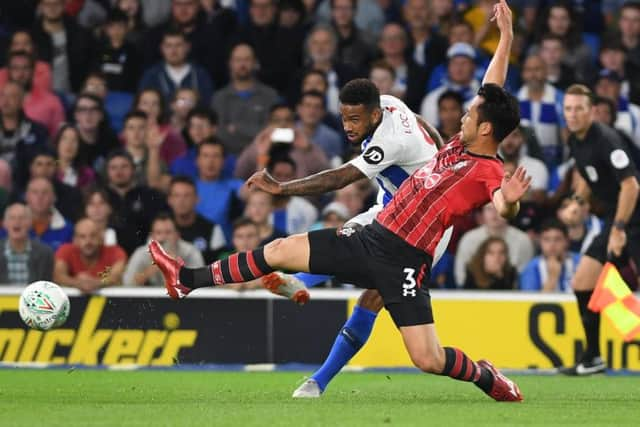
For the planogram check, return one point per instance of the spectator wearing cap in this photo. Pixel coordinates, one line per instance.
(609, 85)
(541, 109)
(134, 206)
(117, 58)
(39, 105)
(175, 71)
(20, 137)
(460, 78)
(23, 259)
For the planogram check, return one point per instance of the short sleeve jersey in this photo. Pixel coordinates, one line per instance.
(70, 254)
(396, 149)
(604, 163)
(445, 189)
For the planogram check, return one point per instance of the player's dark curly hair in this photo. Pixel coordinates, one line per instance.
(499, 108)
(360, 91)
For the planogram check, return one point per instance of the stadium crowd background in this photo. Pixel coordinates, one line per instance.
(124, 119)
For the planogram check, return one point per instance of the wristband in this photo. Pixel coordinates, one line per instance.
(620, 225)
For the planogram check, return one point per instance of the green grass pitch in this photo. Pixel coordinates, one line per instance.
(179, 398)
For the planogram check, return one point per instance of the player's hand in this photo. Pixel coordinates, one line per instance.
(515, 186)
(617, 241)
(262, 180)
(503, 17)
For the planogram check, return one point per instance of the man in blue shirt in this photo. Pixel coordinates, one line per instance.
(554, 268)
(219, 197)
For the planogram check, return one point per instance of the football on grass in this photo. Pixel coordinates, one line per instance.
(44, 305)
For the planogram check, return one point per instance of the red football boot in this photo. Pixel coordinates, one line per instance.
(170, 269)
(503, 389)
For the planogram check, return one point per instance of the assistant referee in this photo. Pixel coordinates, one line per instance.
(606, 173)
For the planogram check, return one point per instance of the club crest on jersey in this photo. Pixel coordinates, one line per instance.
(346, 231)
(373, 155)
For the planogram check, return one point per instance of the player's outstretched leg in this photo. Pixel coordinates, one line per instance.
(291, 253)
(353, 335)
(426, 353)
(583, 284)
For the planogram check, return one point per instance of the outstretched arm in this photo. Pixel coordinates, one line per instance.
(497, 70)
(321, 182)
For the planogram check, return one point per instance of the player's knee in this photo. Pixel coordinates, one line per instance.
(371, 300)
(275, 251)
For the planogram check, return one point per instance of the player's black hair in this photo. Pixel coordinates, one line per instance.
(554, 224)
(499, 108)
(360, 91)
(210, 142)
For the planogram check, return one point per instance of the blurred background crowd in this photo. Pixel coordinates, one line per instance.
(122, 120)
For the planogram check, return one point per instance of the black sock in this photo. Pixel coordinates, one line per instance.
(196, 277)
(591, 324)
(237, 268)
(459, 366)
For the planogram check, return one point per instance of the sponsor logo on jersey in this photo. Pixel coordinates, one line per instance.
(373, 155)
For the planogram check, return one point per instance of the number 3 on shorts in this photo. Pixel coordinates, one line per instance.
(409, 285)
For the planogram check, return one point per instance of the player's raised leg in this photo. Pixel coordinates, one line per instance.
(353, 335)
(429, 356)
(291, 253)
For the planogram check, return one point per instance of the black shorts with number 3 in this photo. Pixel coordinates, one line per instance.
(375, 258)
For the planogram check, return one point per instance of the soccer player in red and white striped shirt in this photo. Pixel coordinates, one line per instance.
(394, 253)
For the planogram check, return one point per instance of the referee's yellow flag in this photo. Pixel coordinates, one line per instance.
(613, 298)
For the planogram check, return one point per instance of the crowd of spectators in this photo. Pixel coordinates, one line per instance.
(124, 120)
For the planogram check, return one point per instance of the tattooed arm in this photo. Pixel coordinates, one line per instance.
(321, 182)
